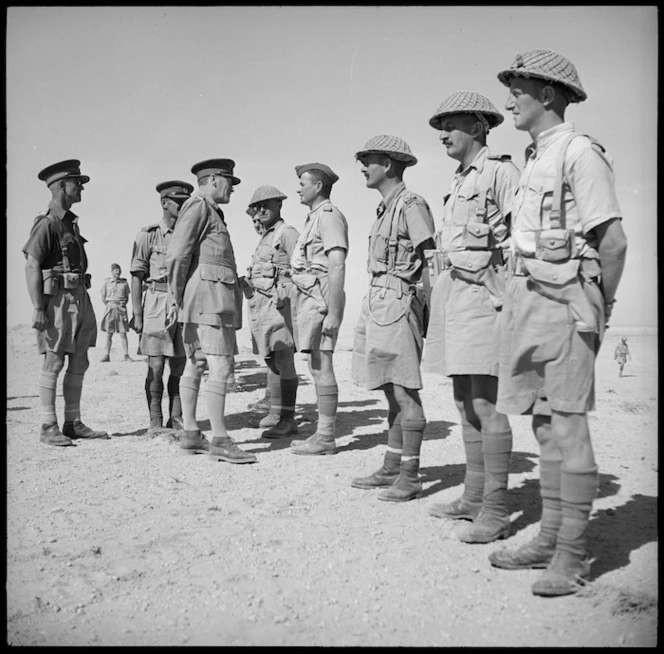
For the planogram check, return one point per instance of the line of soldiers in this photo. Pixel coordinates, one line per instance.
(513, 294)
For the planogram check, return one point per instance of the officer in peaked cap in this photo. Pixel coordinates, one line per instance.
(463, 340)
(319, 270)
(387, 351)
(153, 313)
(217, 167)
(270, 309)
(566, 259)
(56, 265)
(203, 283)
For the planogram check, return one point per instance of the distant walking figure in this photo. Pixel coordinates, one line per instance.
(621, 354)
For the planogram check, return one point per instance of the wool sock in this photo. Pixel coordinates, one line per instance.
(552, 516)
(394, 442)
(578, 489)
(473, 483)
(47, 390)
(189, 387)
(72, 388)
(174, 402)
(288, 389)
(328, 400)
(497, 449)
(215, 398)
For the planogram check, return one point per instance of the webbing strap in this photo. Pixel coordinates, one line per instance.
(484, 182)
(556, 220)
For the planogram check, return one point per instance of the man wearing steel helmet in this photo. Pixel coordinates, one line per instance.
(467, 298)
(55, 271)
(153, 313)
(567, 256)
(269, 309)
(318, 273)
(390, 331)
(202, 278)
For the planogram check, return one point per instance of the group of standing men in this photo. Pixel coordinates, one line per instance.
(513, 294)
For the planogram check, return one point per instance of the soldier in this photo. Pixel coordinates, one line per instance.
(567, 256)
(63, 316)
(114, 294)
(153, 313)
(319, 270)
(620, 355)
(270, 312)
(202, 279)
(465, 305)
(390, 331)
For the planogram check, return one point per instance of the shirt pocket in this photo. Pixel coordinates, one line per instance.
(465, 204)
(217, 289)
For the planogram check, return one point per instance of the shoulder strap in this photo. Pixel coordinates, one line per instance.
(484, 182)
(556, 219)
(394, 230)
(56, 223)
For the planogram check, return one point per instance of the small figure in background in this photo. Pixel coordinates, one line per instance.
(621, 354)
(114, 294)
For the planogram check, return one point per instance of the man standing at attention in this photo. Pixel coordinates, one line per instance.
(465, 309)
(154, 317)
(63, 316)
(319, 271)
(114, 295)
(202, 279)
(270, 312)
(567, 257)
(390, 332)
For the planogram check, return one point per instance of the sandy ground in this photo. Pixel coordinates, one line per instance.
(127, 542)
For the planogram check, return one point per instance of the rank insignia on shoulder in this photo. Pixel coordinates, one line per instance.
(149, 228)
(330, 209)
(500, 157)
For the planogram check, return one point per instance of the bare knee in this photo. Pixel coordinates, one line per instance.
(53, 363)
(156, 364)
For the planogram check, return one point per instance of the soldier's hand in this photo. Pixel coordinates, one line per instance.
(331, 326)
(172, 317)
(137, 323)
(39, 320)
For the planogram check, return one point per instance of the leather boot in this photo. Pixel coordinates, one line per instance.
(76, 429)
(382, 478)
(155, 425)
(51, 435)
(193, 442)
(225, 449)
(315, 445)
(564, 576)
(459, 509)
(485, 528)
(408, 485)
(285, 427)
(536, 553)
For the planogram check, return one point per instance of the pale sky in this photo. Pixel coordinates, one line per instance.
(141, 94)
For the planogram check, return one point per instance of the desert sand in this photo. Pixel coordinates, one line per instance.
(127, 542)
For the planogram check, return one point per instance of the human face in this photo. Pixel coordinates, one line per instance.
(308, 189)
(374, 169)
(223, 190)
(72, 189)
(255, 219)
(456, 134)
(268, 212)
(524, 103)
(171, 207)
(115, 272)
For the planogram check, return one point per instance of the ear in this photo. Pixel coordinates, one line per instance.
(547, 95)
(477, 129)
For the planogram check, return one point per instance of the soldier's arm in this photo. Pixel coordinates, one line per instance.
(612, 248)
(33, 277)
(336, 270)
(103, 292)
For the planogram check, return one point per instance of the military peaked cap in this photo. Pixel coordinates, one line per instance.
(221, 167)
(175, 189)
(300, 170)
(69, 169)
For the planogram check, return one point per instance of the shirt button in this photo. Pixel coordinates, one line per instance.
(555, 277)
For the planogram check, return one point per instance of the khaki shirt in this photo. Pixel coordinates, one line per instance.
(149, 252)
(201, 265)
(408, 216)
(115, 291)
(272, 252)
(589, 192)
(324, 229)
(463, 201)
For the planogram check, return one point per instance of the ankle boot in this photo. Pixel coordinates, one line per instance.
(379, 479)
(459, 509)
(407, 486)
(485, 528)
(536, 553)
(564, 576)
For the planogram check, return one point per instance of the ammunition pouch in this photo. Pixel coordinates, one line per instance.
(481, 267)
(158, 286)
(50, 282)
(307, 283)
(561, 282)
(477, 236)
(555, 244)
(53, 281)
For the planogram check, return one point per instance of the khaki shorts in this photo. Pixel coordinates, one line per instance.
(210, 339)
(308, 321)
(72, 325)
(114, 320)
(270, 322)
(388, 353)
(545, 363)
(464, 329)
(155, 339)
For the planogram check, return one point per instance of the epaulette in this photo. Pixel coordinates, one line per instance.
(330, 209)
(149, 228)
(500, 157)
(596, 143)
(410, 197)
